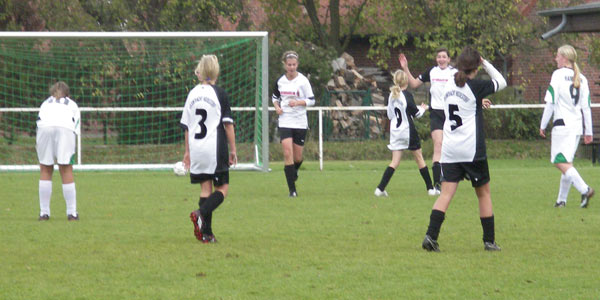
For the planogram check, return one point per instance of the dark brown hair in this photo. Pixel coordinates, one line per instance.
(467, 62)
(442, 49)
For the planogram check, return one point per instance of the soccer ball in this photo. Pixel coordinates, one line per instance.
(179, 169)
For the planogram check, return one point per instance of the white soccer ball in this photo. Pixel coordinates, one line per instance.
(179, 169)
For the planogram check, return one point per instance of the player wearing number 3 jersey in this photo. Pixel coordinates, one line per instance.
(208, 126)
(463, 145)
(568, 96)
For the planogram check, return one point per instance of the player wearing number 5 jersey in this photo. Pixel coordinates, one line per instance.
(403, 135)
(208, 126)
(567, 97)
(463, 146)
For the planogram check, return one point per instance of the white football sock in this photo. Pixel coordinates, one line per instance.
(565, 186)
(45, 192)
(578, 182)
(70, 197)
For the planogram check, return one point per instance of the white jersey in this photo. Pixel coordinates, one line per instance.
(62, 112)
(400, 111)
(205, 111)
(463, 128)
(438, 78)
(568, 102)
(296, 89)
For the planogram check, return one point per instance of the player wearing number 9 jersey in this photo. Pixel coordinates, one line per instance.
(403, 134)
(208, 126)
(567, 97)
(463, 146)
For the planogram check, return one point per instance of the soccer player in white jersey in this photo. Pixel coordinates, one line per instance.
(438, 76)
(463, 147)
(291, 95)
(401, 110)
(57, 128)
(208, 126)
(567, 97)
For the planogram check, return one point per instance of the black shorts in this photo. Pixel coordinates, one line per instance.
(436, 118)
(298, 135)
(477, 172)
(218, 179)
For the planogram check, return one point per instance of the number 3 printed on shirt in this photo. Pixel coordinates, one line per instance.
(202, 113)
(452, 109)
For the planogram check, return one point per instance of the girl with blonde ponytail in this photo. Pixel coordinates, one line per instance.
(568, 96)
(403, 135)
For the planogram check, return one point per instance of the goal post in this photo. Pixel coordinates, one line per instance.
(130, 87)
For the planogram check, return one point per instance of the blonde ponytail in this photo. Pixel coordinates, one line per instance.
(576, 77)
(400, 82)
(568, 52)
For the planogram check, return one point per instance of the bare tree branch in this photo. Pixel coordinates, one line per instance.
(314, 20)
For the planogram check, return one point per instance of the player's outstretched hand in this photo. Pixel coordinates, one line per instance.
(486, 103)
(424, 106)
(403, 61)
(543, 133)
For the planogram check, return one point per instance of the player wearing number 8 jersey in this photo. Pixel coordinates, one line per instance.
(567, 97)
(463, 146)
(208, 126)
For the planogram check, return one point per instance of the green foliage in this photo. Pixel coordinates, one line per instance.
(520, 124)
(493, 27)
(117, 15)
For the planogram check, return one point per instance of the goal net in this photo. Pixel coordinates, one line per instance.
(130, 88)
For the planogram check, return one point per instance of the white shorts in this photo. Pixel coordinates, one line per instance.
(55, 143)
(563, 143)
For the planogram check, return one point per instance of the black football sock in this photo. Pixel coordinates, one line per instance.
(290, 173)
(487, 224)
(297, 167)
(212, 202)
(385, 179)
(435, 223)
(425, 174)
(437, 171)
(208, 218)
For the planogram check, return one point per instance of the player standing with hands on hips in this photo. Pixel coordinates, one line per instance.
(57, 128)
(401, 110)
(438, 76)
(567, 97)
(291, 95)
(463, 147)
(208, 126)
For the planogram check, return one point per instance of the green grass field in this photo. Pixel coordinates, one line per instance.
(335, 241)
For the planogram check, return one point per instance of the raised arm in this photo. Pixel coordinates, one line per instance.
(412, 81)
(494, 74)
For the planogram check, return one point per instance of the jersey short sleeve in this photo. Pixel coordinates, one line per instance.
(426, 77)
(551, 92)
(276, 97)
(411, 107)
(225, 106)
